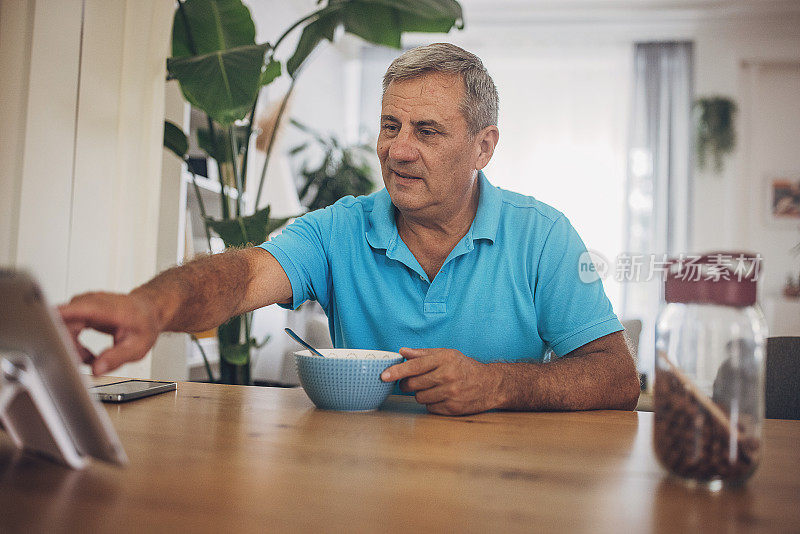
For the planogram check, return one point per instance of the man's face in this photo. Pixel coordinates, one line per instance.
(428, 158)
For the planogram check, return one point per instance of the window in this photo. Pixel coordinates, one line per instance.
(563, 133)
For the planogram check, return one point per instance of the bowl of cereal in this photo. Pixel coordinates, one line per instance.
(345, 379)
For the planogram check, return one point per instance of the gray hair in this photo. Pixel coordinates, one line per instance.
(480, 102)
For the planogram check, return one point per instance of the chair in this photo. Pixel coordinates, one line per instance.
(633, 331)
(782, 382)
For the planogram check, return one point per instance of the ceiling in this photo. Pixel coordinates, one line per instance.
(488, 11)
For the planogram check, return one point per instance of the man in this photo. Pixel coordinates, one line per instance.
(479, 281)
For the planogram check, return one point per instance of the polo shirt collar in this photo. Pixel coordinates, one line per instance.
(382, 232)
(487, 218)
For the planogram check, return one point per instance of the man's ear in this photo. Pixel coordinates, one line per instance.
(486, 141)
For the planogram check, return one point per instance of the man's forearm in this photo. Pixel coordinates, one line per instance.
(197, 296)
(587, 382)
(200, 294)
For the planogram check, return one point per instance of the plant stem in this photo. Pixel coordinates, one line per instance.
(234, 154)
(272, 141)
(304, 19)
(205, 358)
(247, 319)
(247, 140)
(223, 197)
(202, 206)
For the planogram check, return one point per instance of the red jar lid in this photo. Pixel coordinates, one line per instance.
(723, 278)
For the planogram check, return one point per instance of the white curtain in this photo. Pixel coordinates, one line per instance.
(658, 189)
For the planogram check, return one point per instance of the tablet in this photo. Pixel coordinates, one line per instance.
(44, 401)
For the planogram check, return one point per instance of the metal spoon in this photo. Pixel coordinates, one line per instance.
(302, 342)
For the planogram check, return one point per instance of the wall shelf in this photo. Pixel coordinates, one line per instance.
(211, 185)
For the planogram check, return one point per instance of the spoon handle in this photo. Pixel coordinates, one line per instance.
(302, 342)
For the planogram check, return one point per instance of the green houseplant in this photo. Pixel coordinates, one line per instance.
(343, 170)
(715, 135)
(221, 70)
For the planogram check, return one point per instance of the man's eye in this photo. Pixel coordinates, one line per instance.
(389, 127)
(428, 133)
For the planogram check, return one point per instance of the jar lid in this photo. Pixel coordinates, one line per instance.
(723, 278)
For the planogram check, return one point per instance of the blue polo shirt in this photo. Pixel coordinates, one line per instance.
(507, 290)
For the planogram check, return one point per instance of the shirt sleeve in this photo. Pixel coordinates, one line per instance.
(301, 250)
(571, 312)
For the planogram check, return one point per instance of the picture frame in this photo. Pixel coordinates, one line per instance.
(782, 191)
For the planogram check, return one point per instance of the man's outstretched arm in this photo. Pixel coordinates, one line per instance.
(196, 296)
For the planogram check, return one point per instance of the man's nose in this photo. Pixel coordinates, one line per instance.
(402, 148)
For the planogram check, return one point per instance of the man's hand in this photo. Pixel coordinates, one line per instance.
(130, 319)
(446, 381)
(193, 297)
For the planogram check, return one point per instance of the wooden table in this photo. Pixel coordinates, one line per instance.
(211, 458)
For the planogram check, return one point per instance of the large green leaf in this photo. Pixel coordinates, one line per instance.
(213, 25)
(426, 9)
(374, 23)
(175, 140)
(322, 28)
(270, 72)
(224, 84)
(238, 354)
(211, 148)
(377, 21)
(411, 23)
(243, 231)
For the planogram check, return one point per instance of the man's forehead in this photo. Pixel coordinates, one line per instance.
(435, 93)
(428, 85)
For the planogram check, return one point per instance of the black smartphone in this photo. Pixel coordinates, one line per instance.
(128, 390)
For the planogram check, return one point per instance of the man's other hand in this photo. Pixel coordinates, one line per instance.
(131, 320)
(446, 381)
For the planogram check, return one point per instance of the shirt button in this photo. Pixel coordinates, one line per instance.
(422, 278)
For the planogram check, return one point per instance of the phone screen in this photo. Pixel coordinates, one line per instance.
(130, 386)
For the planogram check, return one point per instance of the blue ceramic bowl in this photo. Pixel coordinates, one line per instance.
(346, 379)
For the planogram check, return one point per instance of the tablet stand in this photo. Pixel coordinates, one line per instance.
(29, 415)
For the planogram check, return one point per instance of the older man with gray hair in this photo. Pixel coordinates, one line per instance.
(472, 284)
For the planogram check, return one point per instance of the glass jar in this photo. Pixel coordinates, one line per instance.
(709, 380)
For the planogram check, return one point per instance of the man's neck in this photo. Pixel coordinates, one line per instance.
(432, 238)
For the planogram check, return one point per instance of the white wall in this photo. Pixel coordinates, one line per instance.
(168, 355)
(16, 33)
(730, 208)
(40, 149)
(86, 98)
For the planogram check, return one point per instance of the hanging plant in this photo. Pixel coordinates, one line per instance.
(715, 135)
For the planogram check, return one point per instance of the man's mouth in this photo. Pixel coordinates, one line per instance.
(406, 176)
